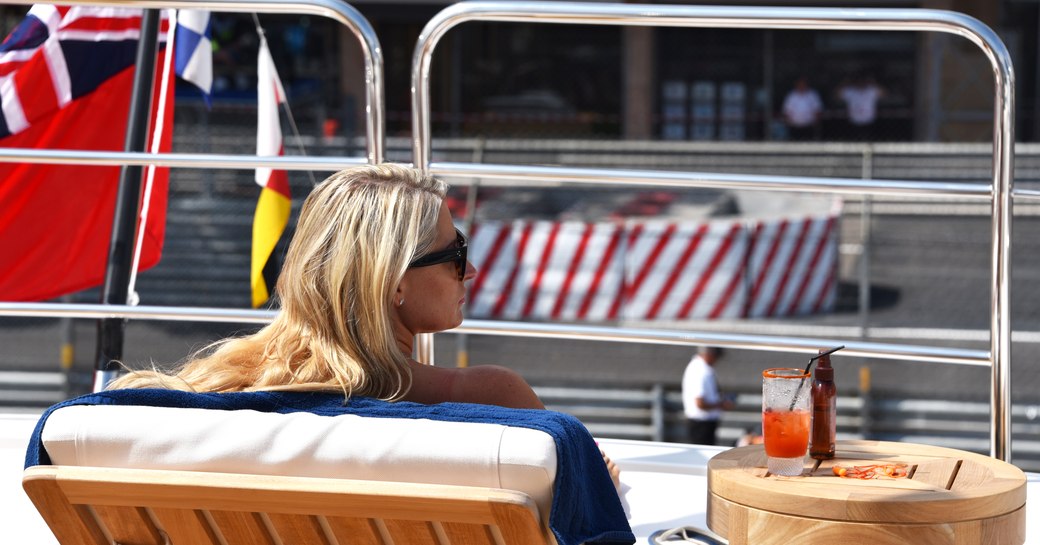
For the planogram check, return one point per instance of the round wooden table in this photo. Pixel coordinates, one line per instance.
(949, 497)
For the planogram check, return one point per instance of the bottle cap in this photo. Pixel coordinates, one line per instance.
(824, 371)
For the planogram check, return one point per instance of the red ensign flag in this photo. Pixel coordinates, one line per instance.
(65, 81)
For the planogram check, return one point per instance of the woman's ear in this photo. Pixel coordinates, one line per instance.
(399, 296)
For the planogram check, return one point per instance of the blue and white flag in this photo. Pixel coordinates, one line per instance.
(194, 50)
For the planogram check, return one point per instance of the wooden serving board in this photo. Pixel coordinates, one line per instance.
(949, 497)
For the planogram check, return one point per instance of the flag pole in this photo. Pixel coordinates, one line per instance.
(120, 251)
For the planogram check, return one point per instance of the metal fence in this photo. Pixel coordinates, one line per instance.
(654, 413)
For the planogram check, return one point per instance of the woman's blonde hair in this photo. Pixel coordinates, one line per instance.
(357, 232)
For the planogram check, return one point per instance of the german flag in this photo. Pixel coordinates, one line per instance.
(275, 203)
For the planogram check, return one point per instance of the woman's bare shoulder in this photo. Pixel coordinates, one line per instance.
(494, 385)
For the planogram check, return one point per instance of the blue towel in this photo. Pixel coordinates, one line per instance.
(585, 506)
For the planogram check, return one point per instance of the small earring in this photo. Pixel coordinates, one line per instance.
(401, 302)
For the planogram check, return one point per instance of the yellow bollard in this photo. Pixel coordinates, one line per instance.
(68, 354)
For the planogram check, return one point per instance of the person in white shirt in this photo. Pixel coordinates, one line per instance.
(801, 109)
(702, 402)
(861, 96)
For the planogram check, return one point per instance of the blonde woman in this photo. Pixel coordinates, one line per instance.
(375, 261)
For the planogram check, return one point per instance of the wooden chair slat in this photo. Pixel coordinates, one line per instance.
(242, 528)
(517, 528)
(355, 531)
(468, 534)
(129, 525)
(413, 532)
(186, 526)
(298, 529)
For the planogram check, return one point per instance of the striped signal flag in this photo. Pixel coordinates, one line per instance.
(275, 203)
(194, 50)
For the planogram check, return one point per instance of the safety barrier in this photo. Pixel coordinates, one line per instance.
(654, 270)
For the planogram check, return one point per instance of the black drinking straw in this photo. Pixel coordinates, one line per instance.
(811, 360)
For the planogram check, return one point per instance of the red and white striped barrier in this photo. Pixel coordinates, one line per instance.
(647, 270)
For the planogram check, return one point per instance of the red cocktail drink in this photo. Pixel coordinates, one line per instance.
(785, 419)
(786, 433)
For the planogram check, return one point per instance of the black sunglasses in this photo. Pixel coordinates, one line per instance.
(456, 254)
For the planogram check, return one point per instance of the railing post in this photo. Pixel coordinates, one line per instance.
(461, 340)
(865, 221)
(866, 409)
(657, 411)
(67, 336)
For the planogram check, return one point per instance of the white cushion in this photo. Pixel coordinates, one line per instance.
(306, 445)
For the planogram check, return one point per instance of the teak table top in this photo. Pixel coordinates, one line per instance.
(944, 485)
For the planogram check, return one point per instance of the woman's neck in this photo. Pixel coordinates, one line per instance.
(404, 341)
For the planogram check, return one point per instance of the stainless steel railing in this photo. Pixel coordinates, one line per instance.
(999, 357)
(340, 12)
(999, 191)
(807, 345)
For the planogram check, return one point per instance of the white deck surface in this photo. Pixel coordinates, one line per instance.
(665, 486)
(18, 518)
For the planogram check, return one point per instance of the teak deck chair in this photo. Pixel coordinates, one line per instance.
(137, 475)
(101, 506)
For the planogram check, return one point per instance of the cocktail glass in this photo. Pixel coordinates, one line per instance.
(786, 397)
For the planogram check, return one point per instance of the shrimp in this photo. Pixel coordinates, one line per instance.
(873, 471)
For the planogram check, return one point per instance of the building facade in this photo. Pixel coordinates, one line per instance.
(506, 79)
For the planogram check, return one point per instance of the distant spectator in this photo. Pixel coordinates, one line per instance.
(861, 96)
(801, 109)
(702, 402)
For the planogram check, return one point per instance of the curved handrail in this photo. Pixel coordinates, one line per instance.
(803, 18)
(339, 11)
